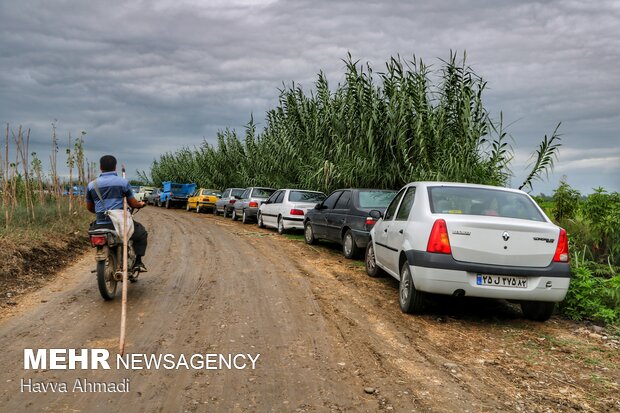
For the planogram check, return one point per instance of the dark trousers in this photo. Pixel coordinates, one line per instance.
(139, 237)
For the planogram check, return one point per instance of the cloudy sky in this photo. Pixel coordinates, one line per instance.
(146, 77)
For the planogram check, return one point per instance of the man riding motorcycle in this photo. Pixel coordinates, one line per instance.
(107, 193)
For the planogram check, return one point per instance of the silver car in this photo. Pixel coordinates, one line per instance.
(246, 208)
(286, 208)
(470, 240)
(225, 204)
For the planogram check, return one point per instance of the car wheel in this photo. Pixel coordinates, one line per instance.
(226, 212)
(234, 215)
(537, 310)
(372, 269)
(187, 208)
(244, 218)
(309, 234)
(198, 209)
(167, 203)
(349, 248)
(259, 220)
(215, 211)
(281, 229)
(411, 300)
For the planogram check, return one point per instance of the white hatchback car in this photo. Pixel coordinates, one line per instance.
(470, 240)
(286, 208)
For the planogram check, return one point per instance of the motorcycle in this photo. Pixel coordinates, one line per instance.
(109, 257)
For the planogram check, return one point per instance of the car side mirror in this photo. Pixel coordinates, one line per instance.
(319, 206)
(376, 214)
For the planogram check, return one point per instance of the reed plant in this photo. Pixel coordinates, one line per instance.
(375, 129)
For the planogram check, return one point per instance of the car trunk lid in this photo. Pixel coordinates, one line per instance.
(501, 241)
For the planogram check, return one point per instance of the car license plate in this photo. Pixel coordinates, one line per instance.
(501, 281)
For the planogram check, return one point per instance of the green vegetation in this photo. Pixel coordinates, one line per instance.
(382, 130)
(593, 226)
(33, 204)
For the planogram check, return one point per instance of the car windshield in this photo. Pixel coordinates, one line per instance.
(305, 196)
(482, 201)
(237, 192)
(262, 192)
(375, 199)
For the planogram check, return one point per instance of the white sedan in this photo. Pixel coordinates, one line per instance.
(470, 240)
(286, 208)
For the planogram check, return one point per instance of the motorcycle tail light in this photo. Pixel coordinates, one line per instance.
(98, 240)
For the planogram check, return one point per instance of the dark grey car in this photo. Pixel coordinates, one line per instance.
(153, 197)
(247, 207)
(343, 217)
(226, 203)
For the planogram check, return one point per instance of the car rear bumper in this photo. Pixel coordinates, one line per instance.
(447, 262)
(251, 212)
(293, 222)
(449, 282)
(362, 238)
(206, 204)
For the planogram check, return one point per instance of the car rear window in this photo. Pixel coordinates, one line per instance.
(482, 201)
(305, 196)
(262, 192)
(375, 199)
(237, 192)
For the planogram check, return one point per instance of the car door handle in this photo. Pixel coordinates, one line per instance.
(385, 230)
(400, 232)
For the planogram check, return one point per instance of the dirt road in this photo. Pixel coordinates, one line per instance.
(329, 337)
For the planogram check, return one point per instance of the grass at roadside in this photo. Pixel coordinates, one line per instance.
(295, 237)
(31, 251)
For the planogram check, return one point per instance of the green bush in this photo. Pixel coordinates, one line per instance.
(602, 210)
(566, 200)
(592, 297)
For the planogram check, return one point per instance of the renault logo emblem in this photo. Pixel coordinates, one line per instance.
(506, 236)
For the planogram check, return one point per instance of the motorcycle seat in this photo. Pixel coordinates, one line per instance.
(101, 231)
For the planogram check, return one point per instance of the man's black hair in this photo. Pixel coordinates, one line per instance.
(107, 163)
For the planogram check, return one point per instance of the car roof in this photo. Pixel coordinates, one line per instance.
(463, 185)
(365, 189)
(300, 190)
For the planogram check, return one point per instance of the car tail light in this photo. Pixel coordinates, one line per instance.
(232, 201)
(439, 241)
(370, 221)
(561, 251)
(297, 212)
(253, 204)
(98, 240)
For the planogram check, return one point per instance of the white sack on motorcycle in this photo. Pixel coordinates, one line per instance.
(116, 215)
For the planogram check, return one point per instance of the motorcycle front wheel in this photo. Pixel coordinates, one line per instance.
(105, 278)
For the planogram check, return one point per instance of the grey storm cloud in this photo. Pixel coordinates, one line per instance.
(146, 77)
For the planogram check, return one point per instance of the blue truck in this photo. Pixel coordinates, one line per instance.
(175, 195)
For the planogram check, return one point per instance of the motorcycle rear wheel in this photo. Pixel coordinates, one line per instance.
(105, 278)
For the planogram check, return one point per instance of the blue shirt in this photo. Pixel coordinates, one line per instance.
(113, 189)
